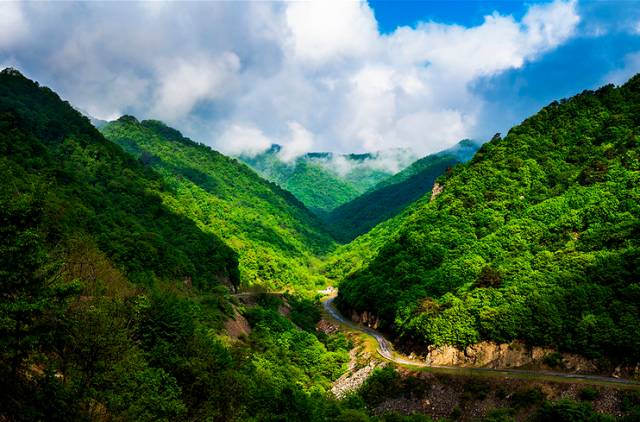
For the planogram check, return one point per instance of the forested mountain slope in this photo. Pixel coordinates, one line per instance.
(112, 306)
(80, 220)
(324, 181)
(62, 179)
(275, 236)
(537, 238)
(392, 195)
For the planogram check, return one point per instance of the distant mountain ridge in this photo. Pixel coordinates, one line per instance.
(391, 195)
(325, 180)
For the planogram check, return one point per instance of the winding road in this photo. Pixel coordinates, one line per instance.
(385, 349)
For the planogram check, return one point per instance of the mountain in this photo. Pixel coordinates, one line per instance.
(113, 301)
(537, 238)
(114, 288)
(79, 185)
(393, 194)
(323, 180)
(275, 236)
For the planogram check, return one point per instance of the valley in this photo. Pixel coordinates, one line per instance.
(143, 268)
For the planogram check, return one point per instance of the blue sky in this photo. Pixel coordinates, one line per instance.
(391, 14)
(336, 76)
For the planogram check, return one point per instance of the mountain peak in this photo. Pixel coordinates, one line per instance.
(11, 71)
(127, 118)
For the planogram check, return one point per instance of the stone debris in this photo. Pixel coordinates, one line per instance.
(355, 375)
(327, 327)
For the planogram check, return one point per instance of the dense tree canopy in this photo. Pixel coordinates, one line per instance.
(393, 194)
(316, 180)
(276, 237)
(535, 239)
(112, 303)
(116, 265)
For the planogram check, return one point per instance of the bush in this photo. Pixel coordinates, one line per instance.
(589, 393)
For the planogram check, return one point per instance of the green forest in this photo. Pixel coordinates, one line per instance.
(126, 251)
(537, 238)
(391, 195)
(321, 181)
(276, 238)
(112, 302)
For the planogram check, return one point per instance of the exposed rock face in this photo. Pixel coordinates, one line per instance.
(436, 190)
(237, 326)
(284, 309)
(355, 377)
(506, 355)
(437, 395)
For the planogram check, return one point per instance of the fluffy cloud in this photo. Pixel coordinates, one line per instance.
(330, 30)
(299, 141)
(184, 83)
(240, 76)
(243, 140)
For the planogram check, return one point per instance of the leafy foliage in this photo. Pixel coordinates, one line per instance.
(322, 181)
(111, 303)
(535, 239)
(93, 187)
(390, 196)
(275, 236)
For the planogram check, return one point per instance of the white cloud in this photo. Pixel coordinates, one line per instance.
(243, 140)
(549, 25)
(630, 68)
(299, 141)
(240, 76)
(13, 25)
(331, 29)
(183, 83)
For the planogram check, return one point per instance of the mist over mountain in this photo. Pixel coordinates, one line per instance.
(391, 195)
(320, 211)
(325, 180)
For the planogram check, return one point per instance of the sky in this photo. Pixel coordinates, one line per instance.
(341, 76)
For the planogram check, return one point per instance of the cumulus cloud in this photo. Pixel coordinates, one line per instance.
(330, 30)
(182, 84)
(307, 75)
(299, 141)
(243, 140)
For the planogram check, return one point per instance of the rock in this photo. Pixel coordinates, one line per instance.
(505, 355)
(354, 378)
(436, 190)
(327, 327)
(237, 326)
(617, 373)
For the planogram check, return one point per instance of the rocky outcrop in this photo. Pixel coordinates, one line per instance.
(238, 326)
(327, 327)
(357, 373)
(436, 190)
(506, 355)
